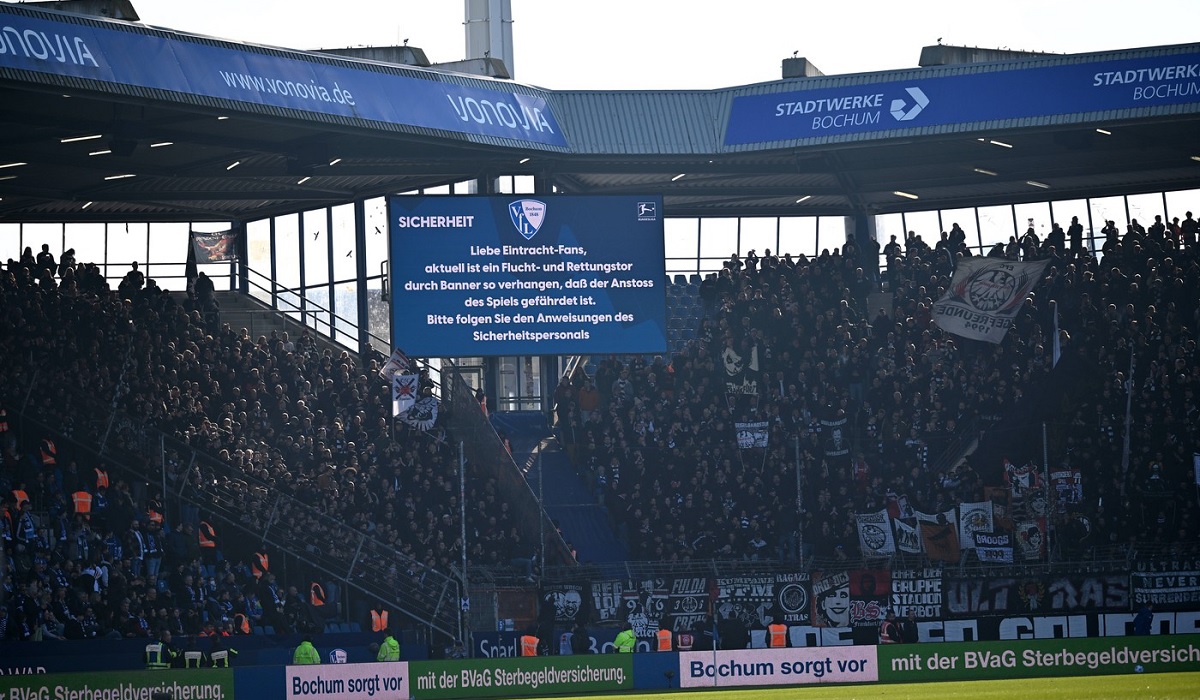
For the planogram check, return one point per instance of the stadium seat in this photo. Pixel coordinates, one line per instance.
(268, 630)
(681, 279)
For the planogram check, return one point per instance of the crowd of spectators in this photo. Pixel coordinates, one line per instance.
(869, 407)
(287, 416)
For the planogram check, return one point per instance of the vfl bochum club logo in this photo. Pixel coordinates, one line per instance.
(903, 112)
(527, 216)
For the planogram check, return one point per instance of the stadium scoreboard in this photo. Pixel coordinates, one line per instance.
(527, 275)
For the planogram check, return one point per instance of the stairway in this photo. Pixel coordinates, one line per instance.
(565, 496)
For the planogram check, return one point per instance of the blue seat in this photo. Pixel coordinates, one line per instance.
(355, 627)
(681, 279)
(268, 629)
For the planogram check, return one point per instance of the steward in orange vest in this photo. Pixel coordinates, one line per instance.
(776, 636)
(316, 594)
(379, 620)
(664, 639)
(260, 564)
(83, 502)
(207, 535)
(101, 479)
(529, 643)
(49, 453)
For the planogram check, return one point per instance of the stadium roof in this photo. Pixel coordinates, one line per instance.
(256, 131)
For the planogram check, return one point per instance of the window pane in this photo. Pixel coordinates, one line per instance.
(995, 226)
(88, 242)
(1107, 209)
(798, 236)
(1181, 202)
(682, 238)
(524, 184)
(345, 255)
(1065, 210)
(126, 245)
(831, 232)
(377, 235)
(258, 252)
(1034, 215)
(925, 224)
(318, 318)
(758, 234)
(316, 248)
(287, 251)
(34, 235)
(379, 319)
(346, 309)
(1144, 207)
(440, 189)
(167, 260)
(965, 218)
(10, 241)
(718, 238)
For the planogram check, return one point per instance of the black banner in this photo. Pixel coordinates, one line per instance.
(792, 595)
(747, 598)
(918, 591)
(1167, 585)
(565, 604)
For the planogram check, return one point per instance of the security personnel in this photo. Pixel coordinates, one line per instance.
(49, 453)
(306, 653)
(207, 536)
(776, 635)
(20, 495)
(529, 642)
(241, 623)
(389, 649)
(316, 594)
(626, 640)
(685, 641)
(260, 564)
(3, 421)
(379, 620)
(664, 639)
(83, 502)
(101, 479)
(218, 655)
(889, 632)
(161, 655)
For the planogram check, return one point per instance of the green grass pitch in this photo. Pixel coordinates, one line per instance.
(1149, 686)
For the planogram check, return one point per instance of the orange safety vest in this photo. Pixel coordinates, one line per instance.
(207, 535)
(101, 479)
(379, 620)
(21, 497)
(3, 420)
(887, 632)
(664, 640)
(83, 501)
(241, 623)
(529, 644)
(49, 452)
(156, 517)
(316, 594)
(777, 636)
(260, 564)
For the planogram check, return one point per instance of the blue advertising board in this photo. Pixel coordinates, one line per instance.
(965, 99)
(527, 275)
(173, 62)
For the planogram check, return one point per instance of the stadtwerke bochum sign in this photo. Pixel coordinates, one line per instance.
(975, 98)
(110, 53)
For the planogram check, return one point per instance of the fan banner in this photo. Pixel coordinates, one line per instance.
(875, 534)
(216, 246)
(422, 415)
(404, 392)
(398, 362)
(972, 518)
(752, 434)
(985, 295)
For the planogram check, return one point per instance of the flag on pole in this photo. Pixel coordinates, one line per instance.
(404, 392)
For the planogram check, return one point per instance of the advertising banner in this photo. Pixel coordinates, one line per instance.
(522, 677)
(902, 104)
(1038, 658)
(518, 276)
(347, 681)
(200, 684)
(164, 60)
(703, 669)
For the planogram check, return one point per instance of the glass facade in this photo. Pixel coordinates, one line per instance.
(314, 265)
